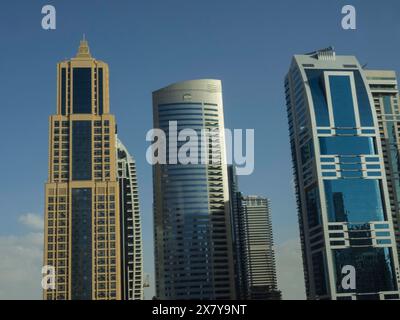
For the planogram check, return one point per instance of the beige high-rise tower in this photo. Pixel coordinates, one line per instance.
(82, 216)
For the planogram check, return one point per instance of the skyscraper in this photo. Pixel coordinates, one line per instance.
(383, 85)
(343, 201)
(131, 231)
(193, 251)
(82, 212)
(258, 256)
(235, 198)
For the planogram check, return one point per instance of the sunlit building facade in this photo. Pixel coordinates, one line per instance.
(82, 217)
(342, 195)
(384, 89)
(257, 249)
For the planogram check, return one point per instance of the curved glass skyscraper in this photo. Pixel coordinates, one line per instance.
(348, 243)
(193, 251)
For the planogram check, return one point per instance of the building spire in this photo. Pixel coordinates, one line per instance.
(83, 51)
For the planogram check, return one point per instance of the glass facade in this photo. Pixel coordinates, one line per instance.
(81, 246)
(82, 90)
(63, 91)
(374, 268)
(342, 101)
(193, 244)
(81, 150)
(186, 211)
(347, 145)
(101, 96)
(354, 200)
(343, 186)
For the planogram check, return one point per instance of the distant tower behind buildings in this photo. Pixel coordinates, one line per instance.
(258, 249)
(131, 231)
(384, 89)
(254, 256)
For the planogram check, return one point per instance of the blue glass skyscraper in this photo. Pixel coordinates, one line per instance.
(342, 196)
(192, 227)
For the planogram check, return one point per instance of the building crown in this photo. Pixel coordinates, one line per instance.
(83, 51)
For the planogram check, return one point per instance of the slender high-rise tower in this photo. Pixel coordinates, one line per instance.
(131, 231)
(82, 220)
(193, 244)
(237, 233)
(383, 85)
(346, 227)
(257, 246)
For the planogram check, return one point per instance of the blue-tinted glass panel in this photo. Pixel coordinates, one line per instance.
(347, 145)
(372, 159)
(374, 174)
(349, 159)
(374, 269)
(351, 166)
(327, 159)
(382, 234)
(346, 131)
(100, 79)
(383, 241)
(354, 200)
(81, 242)
(364, 106)
(387, 105)
(81, 150)
(351, 174)
(368, 131)
(320, 275)
(315, 80)
(82, 90)
(329, 174)
(342, 101)
(381, 226)
(63, 91)
(313, 207)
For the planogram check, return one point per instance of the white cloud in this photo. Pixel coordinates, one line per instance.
(32, 221)
(21, 261)
(290, 270)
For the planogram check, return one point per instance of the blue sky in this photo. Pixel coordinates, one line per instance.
(148, 45)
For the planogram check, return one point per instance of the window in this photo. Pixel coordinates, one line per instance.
(347, 145)
(342, 101)
(319, 98)
(63, 92)
(81, 150)
(82, 90)
(100, 91)
(81, 244)
(354, 200)
(374, 268)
